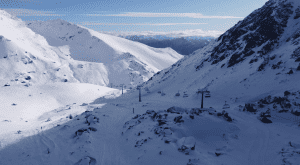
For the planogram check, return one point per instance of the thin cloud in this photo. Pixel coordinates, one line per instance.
(179, 33)
(28, 12)
(141, 24)
(190, 15)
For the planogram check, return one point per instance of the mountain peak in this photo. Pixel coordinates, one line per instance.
(258, 55)
(259, 33)
(57, 50)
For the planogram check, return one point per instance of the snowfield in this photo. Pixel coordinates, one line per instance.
(49, 114)
(162, 130)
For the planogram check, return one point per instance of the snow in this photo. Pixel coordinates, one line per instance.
(116, 55)
(38, 103)
(246, 139)
(85, 56)
(54, 122)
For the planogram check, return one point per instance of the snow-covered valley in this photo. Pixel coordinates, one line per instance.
(118, 129)
(250, 114)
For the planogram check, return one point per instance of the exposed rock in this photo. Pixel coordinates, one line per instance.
(186, 144)
(290, 72)
(178, 119)
(277, 66)
(283, 111)
(81, 131)
(228, 118)
(297, 11)
(162, 131)
(139, 133)
(196, 111)
(237, 43)
(218, 154)
(193, 162)
(177, 110)
(286, 93)
(28, 78)
(86, 161)
(225, 116)
(83, 104)
(249, 107)
(139, 143)
(298, 68)
(265, 120)
(91, 119)
(296, 113)
(150, 112)
(92, 129)
(136, 116)
(161, 122)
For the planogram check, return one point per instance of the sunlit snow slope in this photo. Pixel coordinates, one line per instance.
(258, 56)
(125, 61)
(26, 57)
(254, 66)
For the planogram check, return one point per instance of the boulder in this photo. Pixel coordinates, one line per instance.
(265, 120)
(91, 119)
(136, 116)
(193, 162)
(178, 119)
(196, 111)
(249, 107)
(86, 161)
(83, 104)
(186, 144)
(177, 110)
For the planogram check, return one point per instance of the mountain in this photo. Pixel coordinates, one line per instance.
(182, 45)
(30, 58)
(258, 56)
(253, 67)
(27, 58)
(122, 61)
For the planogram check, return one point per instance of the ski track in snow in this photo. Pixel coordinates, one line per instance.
(260, 143)
(259, 147)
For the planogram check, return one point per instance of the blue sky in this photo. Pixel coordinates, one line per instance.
(164, 16)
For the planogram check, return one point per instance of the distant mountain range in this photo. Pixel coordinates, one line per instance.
(182, 45)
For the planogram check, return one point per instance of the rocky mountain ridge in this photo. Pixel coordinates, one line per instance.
(256, 57)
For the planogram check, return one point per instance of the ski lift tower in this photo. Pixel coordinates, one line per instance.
(202, 91)
(139, 88)
(122, 88)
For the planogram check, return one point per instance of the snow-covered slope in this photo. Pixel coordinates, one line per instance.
(124, 60)
(26, 57)
(23, 54)
(250, 129)
(258, 56)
